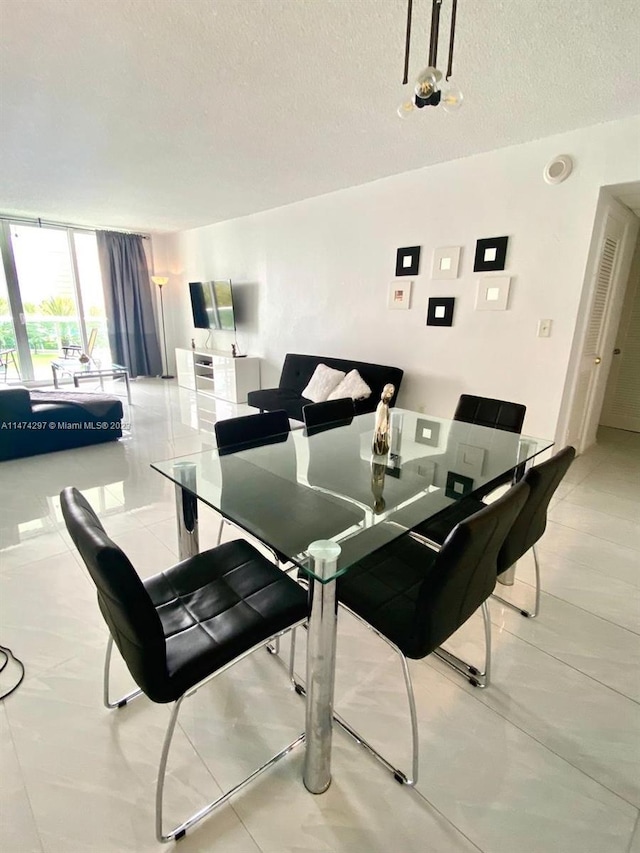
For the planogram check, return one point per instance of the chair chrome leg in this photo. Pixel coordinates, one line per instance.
(530, 614)
(486, 616)
(470, 672)
(180, 831)
(292, 657)
(398, 775)
(274, 648)
(120, 703)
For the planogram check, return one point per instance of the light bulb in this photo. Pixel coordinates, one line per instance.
(452, 99)
(427, 82)
(405, 109)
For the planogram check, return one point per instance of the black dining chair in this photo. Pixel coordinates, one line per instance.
(543, 480)
(179, 628)
(487, 412)
(415, 598)
(319, 417)
(494, 414)
(249, 431)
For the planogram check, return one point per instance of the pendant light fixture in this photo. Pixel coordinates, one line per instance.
(428, 91)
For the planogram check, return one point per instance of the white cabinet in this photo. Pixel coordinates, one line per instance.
(184, 369)
(218, 374)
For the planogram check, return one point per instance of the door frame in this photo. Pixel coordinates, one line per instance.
(607, 206)
(15, 302)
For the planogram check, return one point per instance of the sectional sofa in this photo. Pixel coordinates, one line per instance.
(33, 422)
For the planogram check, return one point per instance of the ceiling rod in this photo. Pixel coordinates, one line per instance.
(428, 90)
(435, 30)
(452, 35)
(407, 44)
(47, 223)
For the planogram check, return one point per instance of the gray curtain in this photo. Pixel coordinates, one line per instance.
(127, 290)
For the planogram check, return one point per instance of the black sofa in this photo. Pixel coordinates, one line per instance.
(298, 370)
(40, 422)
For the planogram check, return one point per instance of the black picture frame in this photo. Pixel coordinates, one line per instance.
(436, 316)
(498, 261)
(457, 485)
(412, 253)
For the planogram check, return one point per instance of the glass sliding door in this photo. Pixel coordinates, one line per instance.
(45, 277)
(56, 294)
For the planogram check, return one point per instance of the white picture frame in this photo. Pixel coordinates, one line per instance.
(445, 263)
(493, 293)
(399, 295)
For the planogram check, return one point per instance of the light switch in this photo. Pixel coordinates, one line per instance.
(544, 328)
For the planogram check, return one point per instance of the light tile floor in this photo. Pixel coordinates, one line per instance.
(544, 761)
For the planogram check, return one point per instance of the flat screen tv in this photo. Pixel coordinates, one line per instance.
(212, 305)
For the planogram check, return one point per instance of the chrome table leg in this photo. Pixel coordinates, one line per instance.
(187, 510)
(321, 666)
(127, 386)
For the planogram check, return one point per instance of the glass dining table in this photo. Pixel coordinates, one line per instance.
(324, 501)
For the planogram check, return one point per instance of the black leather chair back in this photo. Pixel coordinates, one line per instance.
(498, 414)
(332, 413)
(542, 480)
(125, 604)
(249, 431)
(464, 573)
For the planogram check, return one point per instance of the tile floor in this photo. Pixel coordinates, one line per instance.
(544, 761)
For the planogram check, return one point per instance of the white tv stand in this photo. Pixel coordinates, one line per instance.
(217, 374)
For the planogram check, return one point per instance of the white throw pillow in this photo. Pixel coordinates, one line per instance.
(322, 383)
(353, 385)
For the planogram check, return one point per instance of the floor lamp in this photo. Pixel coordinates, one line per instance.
(160, 281)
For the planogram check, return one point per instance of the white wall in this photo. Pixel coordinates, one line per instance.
(313, 276)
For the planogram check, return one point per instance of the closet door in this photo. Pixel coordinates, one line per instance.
(621, 407)
(583, 422)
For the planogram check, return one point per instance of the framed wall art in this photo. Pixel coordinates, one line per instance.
(399, 295)
(408, 261)
(493, 293)
(491, 254)
(445, 262)
(440, 311)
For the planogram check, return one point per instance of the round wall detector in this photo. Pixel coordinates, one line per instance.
(558, 170)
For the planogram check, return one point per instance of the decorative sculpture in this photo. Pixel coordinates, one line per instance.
(382, 431)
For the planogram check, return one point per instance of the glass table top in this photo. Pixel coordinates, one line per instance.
(299, 488)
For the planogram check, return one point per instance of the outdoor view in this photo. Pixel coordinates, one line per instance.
(50, 303)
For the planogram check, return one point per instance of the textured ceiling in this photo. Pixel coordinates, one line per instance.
(165, 114)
